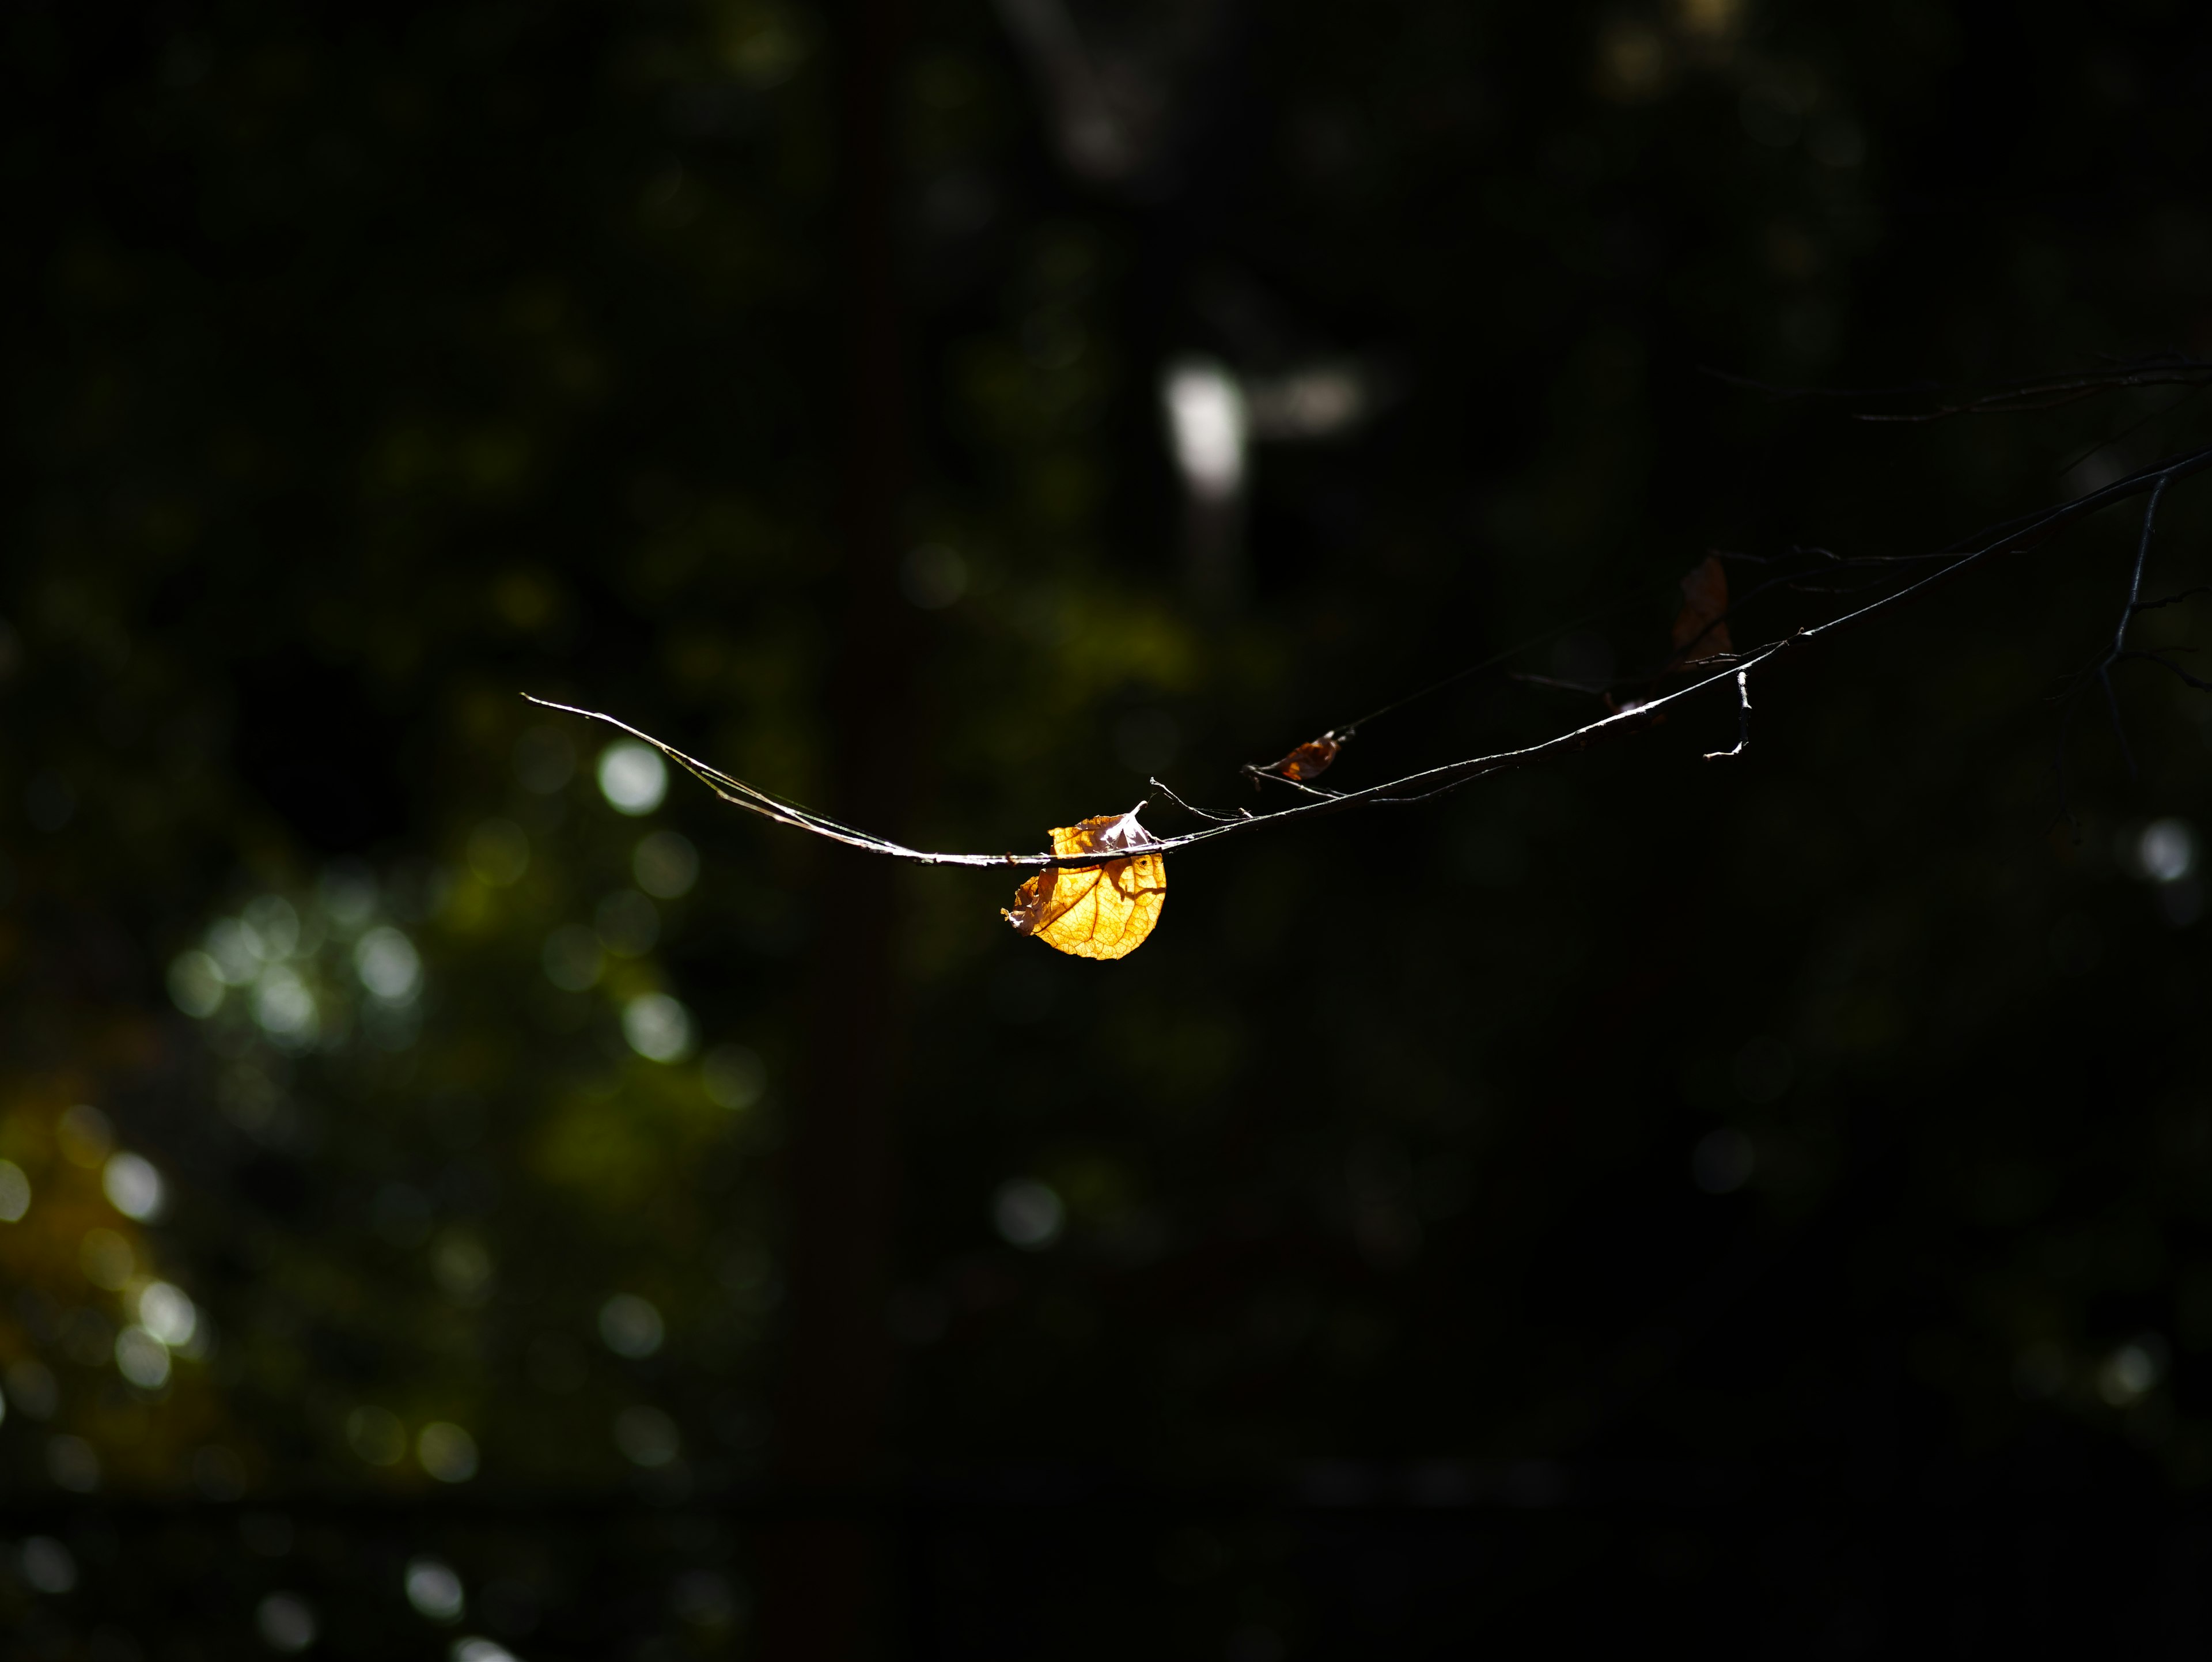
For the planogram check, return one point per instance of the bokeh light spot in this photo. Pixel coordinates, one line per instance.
(376, 1436)
(704, 1598)
(348, 894)
(287, 1623)
(132, 1186)
(447, 1451)
(284, 1008)
(142, 1359)
(435, 1590)
(648, 1436)
(632, 776)
(1722, 1162)
(46, 1565)
(630, 1325)
(666, 864)
(196, 984)
(1029, 1214)
(14, 1192)
(658, 1027)
(463, 1268)
(274, 925)
(763, 48)
(235, 951)
(169, 1314)
(933, 576)
(388, 965)
(733, 1077)
(2167, 850)
(1206, 425)
(2132, 1371)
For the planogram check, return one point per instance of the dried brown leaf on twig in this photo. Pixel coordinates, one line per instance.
(1701, 629)
(1105, 910)
(1310, 760)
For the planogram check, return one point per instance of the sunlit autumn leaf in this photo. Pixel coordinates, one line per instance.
(1700, 630)
(1095, 911)
(1310, 760)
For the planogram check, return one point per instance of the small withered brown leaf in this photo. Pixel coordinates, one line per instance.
(1105, 910)
(1699, 629)
(1308, 761)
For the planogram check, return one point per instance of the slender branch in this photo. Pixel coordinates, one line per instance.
(2053, 397)
(2013, 536)
(1194, 812)
(1299, 785)
(2002, 398)
(2142, 555)
(1743, 720)
(2164, 663)
(2172, 599)
(2133, 428)
(2102, 669)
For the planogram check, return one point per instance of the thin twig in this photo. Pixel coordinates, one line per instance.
(2172, 599)
(2102, 669)
(1256, 774)
(2131, 430)
(2143, 554)
(2002, 398)
(1743, 720)
(2013, 536)
(1194, 812)
(2161, 659)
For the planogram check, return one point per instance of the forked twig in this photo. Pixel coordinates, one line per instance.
(2172, 599)
(2117, 652)
(1743, 720)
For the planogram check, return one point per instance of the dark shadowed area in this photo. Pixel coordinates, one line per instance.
(467, 1194)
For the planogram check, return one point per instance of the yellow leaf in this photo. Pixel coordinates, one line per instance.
(1095, 911)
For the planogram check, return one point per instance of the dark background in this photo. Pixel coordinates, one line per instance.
(1761, 1203)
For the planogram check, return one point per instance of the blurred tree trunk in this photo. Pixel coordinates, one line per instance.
(827, 1561)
